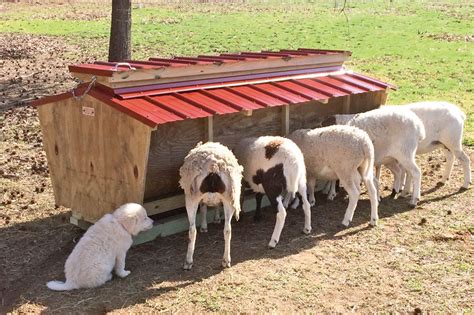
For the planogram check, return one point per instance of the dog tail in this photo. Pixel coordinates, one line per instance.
(59, 286)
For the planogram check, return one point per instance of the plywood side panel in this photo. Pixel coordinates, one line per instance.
(307, 115)
(230, 129)
(170, 143)
(366, 101)
(97, 162)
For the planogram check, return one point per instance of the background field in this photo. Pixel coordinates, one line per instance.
(419, 258)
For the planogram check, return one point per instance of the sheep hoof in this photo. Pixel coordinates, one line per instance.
(413, 203)
(373, 222)
(225, 263)
(331, 196)
(187, 265)
(346, 222)
(464, 188)
(405, 194)
(295, 203)
(393, 194)
(272, 244)
(307, 231)
(312, 203)
(203, 230)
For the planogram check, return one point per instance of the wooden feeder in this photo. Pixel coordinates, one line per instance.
(122, 136)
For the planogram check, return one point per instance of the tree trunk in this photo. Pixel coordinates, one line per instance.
(120, 30)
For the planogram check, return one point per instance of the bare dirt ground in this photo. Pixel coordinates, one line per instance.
(417, 259)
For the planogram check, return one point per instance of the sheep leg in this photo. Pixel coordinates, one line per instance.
(228, 212)
(296, 201)
(466, 165)
(311, 185)
(280, 222)
(258, 200)
(203, 210)
(327, 187)
(413, 172)
(396, 170)
(353, 191)
(378, 170)
(449, 166)
(332, 192)
(191, 208)
(372, 192)
(306, 208)
(407, 188)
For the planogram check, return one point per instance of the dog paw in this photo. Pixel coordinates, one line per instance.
(123, 273)
(187, 265)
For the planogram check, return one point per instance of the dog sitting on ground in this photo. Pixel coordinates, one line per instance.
(103, 248)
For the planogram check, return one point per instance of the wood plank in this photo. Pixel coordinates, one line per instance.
(169, 144)
(97, 162)
(307, 115)
(209, 128)
(285, 120)
(230, 129)
(346, 105)
(216, 70)
(179, 223)
(164, 204)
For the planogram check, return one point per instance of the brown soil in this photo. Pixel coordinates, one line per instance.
(417, 259)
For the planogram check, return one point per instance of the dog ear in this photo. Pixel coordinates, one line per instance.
(130, 223)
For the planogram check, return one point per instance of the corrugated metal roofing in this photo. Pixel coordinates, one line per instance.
(165, 105)
(108, 68)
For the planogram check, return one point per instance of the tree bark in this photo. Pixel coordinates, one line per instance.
(120, 30)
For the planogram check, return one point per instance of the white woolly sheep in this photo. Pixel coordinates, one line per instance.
(275, 166)
(211, 171)
(443, 124)
(395, 135)
(340, 152)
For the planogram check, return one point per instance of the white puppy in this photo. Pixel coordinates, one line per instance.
(103, 248)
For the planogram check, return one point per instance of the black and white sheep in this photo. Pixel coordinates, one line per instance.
(395, 135)
(275, 166)
(211, 171)
(339, 152)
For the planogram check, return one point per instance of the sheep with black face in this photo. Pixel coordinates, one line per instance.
(211, 172)
(275, 166)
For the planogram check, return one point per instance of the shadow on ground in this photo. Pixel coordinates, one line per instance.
(159, 262)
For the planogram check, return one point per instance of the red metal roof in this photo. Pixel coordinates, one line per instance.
(108, 68)
(164, 103)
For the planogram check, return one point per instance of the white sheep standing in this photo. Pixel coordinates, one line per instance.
(444, 124)
(211, 171)
(275, 166)
(340, 152)
(395, 135)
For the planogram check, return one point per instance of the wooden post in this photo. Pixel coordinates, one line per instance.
(285, 120)
(346, 105)
(209, 128)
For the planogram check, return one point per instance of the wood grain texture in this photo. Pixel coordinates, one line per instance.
(169, 145)
(96, 162)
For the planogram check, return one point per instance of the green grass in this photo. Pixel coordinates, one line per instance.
(401, 42)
